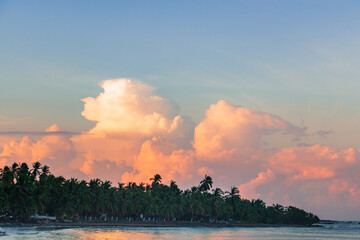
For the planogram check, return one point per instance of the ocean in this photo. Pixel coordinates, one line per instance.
(339, 230)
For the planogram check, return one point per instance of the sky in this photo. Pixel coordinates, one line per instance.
(262, 95)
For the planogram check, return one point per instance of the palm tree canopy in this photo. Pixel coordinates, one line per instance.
(206, 183)
(22, 195)
(156, 179)
(234, 192)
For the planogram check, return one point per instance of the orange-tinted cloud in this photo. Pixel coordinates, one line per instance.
(56, 151)
(128, 116)
(315, 177)
(159, 156)
(229, 131)
(248, 190)
(138, 134)
(205, 171)
(312, 162)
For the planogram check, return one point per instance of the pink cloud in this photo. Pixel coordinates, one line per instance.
(205, 171)
(311, 162)
(138, 134)
(229, 131)
(248, 190)
(315, 177)
(56, 151)
(129, 116)
(158, 156)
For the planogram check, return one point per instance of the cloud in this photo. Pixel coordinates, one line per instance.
(158, 156)
(56, 151)
(316, 177)
(205, 171)
(311, 162)
(323, 133)
(228, 131)
(131, 107)
(105, 170)
(44, 133)
(131, 121)
(138, 133)
(248, 190)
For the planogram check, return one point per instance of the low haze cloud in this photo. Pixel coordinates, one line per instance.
(56, 151)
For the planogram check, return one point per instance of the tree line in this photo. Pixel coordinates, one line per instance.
(25, 191)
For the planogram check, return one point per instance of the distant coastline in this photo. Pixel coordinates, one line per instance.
(147, 224)
(35, 197)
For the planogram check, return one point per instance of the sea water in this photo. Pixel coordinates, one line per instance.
(340, 230)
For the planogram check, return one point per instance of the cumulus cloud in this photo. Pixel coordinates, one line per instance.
(205, 171)
(315, 177)
(129, 117)
(104, 169)
(128, 106)
(229, 131)
(56, 151)
(138, 133)
(312, 162)
(248, 190)
(159, 156)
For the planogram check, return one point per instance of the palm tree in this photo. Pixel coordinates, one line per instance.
(121, 186)
(96, 196)
(21, 197)
(234, 198)
(4, 199)
(7, 177)
(174, 188)
(45, 172)
(14, 169)
(216, 202)
(168, 208)
(23, 174)
(156, 179)
(151, 208)
(82, 198)
(110, 201)
(218, 192)
(278, 212)
(258, 211)
(194, 206)
(206, 184)
(36, 170)
(141, 186)
(234, 192)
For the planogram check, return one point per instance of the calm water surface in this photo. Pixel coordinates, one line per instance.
(329, 231)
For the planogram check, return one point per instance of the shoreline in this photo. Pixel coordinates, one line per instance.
(136, 224)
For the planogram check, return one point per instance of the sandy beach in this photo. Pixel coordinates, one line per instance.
(143, 224)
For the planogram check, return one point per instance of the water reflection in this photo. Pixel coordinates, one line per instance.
(217, 233)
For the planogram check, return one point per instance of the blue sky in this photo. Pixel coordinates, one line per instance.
(294, 59)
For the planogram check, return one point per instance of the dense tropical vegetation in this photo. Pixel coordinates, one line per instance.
(25, 191)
